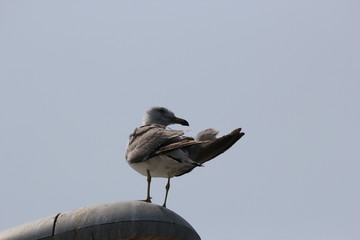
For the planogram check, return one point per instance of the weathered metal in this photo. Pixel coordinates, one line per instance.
(112, 221)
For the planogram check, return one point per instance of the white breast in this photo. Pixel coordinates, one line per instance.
(162, 166)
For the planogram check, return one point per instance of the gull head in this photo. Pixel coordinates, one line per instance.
(162, 116)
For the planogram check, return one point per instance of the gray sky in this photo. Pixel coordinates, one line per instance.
(77, 76)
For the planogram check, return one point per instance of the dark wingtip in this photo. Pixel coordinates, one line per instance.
(237, 132)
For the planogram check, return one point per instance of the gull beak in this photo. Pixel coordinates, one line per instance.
(180, 121)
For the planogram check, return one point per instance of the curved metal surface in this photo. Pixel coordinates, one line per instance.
(111, 221)
(38, 229)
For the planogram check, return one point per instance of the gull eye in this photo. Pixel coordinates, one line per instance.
(161, 110)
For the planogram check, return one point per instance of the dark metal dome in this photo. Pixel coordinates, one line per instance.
(111, 221)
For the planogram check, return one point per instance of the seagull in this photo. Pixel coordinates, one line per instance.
(154, 150)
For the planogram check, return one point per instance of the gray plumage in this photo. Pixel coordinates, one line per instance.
(207, 134)
(156, 151)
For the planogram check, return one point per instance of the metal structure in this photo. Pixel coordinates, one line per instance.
(131, 220)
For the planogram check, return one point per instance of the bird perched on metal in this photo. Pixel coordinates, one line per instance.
(156, 151)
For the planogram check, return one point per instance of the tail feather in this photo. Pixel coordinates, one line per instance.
(208, 150)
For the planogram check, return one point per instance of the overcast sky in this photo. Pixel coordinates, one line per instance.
(77, 76)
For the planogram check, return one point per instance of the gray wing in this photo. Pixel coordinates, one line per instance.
(203, 151)
(146, 140)
(207, 134)
(212, 148)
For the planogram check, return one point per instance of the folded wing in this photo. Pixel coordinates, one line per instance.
(203, 151)
(146, 140)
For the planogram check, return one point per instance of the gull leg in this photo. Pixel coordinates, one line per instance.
(148, 198)
(167, 187)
